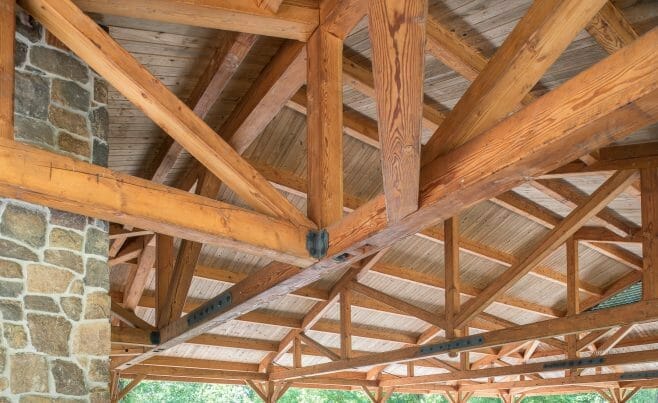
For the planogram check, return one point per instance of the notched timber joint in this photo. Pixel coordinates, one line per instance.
(219, 303)
(457, 344)
(582, 362)
(317, 243)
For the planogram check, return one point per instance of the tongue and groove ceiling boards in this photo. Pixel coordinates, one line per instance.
(373, 195)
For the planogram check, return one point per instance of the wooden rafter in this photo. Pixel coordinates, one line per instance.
(220, 68)
(124, 72)
(397, 34)
(294, 20)
(550, 26)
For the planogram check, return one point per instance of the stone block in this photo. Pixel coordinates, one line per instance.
(27, 26)
(97, 306)
(49, 334)
(100, 90)
(99, 370)
(68, 121)
(97, 242)
(11, 310)
(59, 63)
(69, 378)
(62, 238)
(33, 131)
(77, 287)
(31, 95)
(92, 338)
(73, 145)
(20, 53)
(69, 94)
(64, 258)
(72, 307)
(15, 335)
(9, 269)
(47, 279)
(28, 373)
(13, 250)
(99, 120)
(11, 289)
(101, 152)
(40, 303)
(68, 220)
(97, 274)
(25, 225)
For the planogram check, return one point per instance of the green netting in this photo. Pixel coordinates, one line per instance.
(630, 295)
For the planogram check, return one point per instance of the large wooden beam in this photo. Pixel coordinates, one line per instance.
(397, 34)
(512, 72)
(8, 18)
(649, 187)
(92, 44)
(41, 177)
(324, 137)
(575, 118)
(294, 19)
(218, 72)
(164, 265)
(452, 280)
(556, 237)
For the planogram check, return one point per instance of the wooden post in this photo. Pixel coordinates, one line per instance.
(7, 28)
(451, 253)
(164, 266)
(346, 324)
(573, 297)
(649, 187)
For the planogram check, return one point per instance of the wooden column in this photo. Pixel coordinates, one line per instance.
(7, 28)
(397, 33)
(573, 297)
(451, 253)
(346, 324)
(649, 187)
(325, 125)
(164, 266)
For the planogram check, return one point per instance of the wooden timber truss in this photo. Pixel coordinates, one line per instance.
(497, 137)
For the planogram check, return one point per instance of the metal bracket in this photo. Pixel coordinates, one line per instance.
(456, 344)
(639, 375)
(219, 303)
(317, 243)
(581, 362)
(155, 337)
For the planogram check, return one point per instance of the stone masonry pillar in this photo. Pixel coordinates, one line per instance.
(54, 279)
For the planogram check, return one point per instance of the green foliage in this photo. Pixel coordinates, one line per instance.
(180, 392)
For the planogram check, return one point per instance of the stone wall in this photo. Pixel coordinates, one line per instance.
(54, 279)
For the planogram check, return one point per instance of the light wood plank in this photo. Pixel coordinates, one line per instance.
(92, 44)
(7, 16)
(397, 34)
(512, 72)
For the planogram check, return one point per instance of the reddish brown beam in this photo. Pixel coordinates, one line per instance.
(7, 16)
